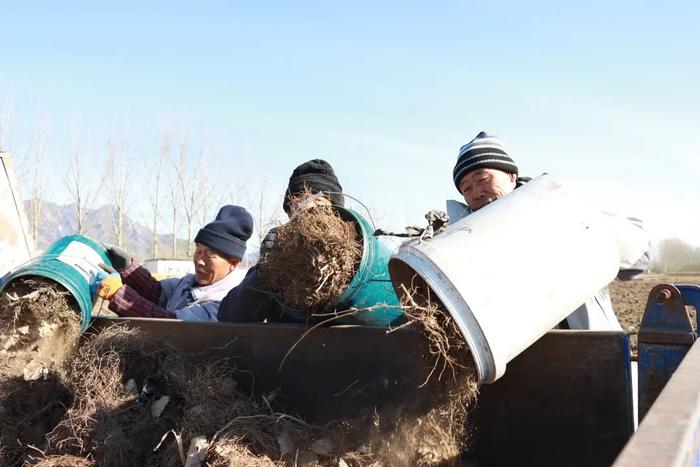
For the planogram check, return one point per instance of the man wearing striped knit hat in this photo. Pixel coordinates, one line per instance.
(485, 172)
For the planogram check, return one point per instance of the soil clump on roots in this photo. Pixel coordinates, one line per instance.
(64, 461)
(312, 260)
(39, 329)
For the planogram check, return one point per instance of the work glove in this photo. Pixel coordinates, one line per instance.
(119, 258)
(437, 222)
(107, 283)
(437, 219)
(268, 241)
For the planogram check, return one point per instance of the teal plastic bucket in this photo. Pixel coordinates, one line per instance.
(371, 286)
(72, 262)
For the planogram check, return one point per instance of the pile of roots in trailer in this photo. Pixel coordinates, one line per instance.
(122, 398)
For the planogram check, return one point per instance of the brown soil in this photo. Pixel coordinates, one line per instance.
(629, 298)
(39, 326)
(312, 260)
(230, 451)
(64, 461)
(28, 410)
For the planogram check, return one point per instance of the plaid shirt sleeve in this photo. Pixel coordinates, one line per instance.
(127, 302)
(143, 283)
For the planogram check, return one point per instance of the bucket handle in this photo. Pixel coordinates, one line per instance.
(369, 214)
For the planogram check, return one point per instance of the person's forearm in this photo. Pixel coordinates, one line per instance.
(138, 277)
(127, 302)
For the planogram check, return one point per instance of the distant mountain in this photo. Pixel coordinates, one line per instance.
(59, 220)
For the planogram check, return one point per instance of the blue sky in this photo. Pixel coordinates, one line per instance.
(602, 94)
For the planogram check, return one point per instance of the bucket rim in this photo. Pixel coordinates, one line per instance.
(363, 271)
(69, 285)
(442, 287)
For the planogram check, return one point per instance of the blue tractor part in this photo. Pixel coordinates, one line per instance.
(665, 337)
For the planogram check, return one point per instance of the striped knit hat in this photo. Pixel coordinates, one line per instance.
(484, 151)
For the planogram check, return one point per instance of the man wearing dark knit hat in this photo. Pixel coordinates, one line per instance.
(312, 183)
(313, 177)
(220, 246)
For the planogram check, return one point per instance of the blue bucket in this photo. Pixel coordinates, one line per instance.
(371, 286)
(72, 262)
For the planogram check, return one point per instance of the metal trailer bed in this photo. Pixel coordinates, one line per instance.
(566, 400)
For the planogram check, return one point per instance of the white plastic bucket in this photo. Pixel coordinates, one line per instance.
(513, 270)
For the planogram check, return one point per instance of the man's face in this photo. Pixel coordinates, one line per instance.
(211, 266)
(482, 186)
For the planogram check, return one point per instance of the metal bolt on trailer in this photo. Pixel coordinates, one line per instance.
(665, 337)
(669, 387)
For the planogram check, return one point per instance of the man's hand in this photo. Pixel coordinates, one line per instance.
(437, 219)
(106, 282)
(109, 285)
(119, 258)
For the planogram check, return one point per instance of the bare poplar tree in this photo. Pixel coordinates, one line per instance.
(266, 216)
(238, 193)
(38, 153)
(163, 157)
(174, 200)
(194, 186)
(265, 209)
(117, 183)
(80, 187)
(203, 183)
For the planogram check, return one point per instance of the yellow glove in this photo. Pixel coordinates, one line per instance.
(109, 286)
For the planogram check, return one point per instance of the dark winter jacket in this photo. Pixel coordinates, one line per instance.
(250, 303)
